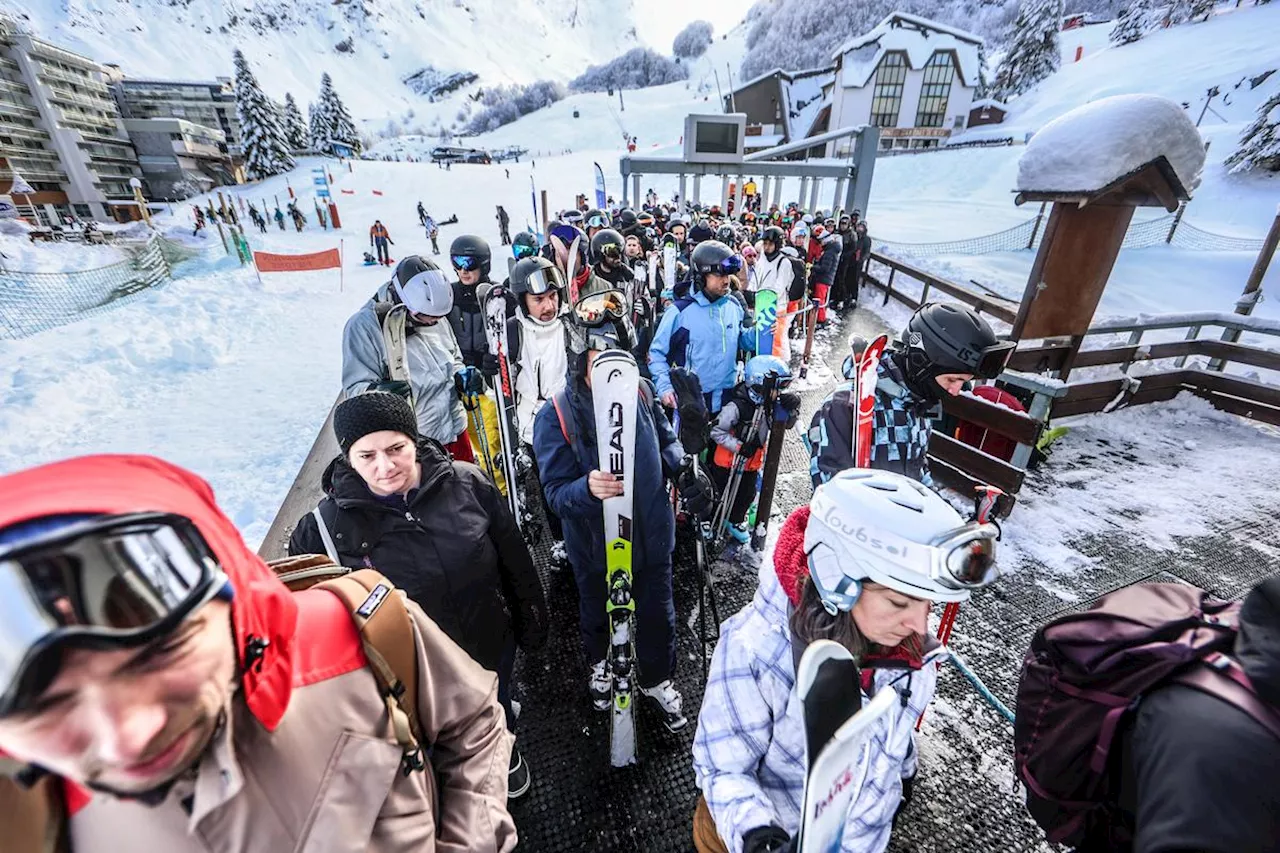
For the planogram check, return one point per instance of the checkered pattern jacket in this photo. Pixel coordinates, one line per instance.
(749, 754)
(900, 429)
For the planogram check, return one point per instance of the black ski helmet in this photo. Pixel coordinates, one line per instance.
(725, 234)
(626, 218)
(775, 235)
(469, 246)
(524, 245)
(712, 257)
(700, 233)
(601, 243)
(535, 275)
(595, 218)
(943, 337)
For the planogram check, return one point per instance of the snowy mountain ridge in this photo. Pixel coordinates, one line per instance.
(370, 48)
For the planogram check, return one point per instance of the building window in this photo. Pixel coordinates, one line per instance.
(939, 71)
(887, 97)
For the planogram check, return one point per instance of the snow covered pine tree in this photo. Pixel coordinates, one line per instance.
(319, 127)
(1033, 48)
(340, 130)
(295, 132)
(1134, 22)
(266, 152)
(1260, 143)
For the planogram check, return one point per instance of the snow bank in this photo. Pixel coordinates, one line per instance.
(1095, 144)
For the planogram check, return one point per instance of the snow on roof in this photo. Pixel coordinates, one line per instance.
(862, 54)
(804, 102)
(1093, 145)
(988, 103)
(764, 140)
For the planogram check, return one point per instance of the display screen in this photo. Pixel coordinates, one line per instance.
(714, 137)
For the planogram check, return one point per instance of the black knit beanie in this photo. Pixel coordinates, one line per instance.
(374, 411)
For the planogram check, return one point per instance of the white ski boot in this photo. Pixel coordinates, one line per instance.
(668, 699)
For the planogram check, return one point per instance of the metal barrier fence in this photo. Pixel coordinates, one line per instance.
(33, 302)
(1165, 230)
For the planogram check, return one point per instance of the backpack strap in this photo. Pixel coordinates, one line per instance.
(325, 536)
(1223, 677)
(564, 414)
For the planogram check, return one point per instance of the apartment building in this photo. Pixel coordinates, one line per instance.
(179, 158)
(61, 131)
(208, 103)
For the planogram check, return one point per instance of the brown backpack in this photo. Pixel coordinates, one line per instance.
(34, 818)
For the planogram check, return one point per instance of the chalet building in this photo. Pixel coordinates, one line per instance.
(781, 107)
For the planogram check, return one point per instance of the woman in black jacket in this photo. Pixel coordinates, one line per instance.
(438, 529)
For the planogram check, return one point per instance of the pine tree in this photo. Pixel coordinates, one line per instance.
(1134, 22)
(319, 126)
(295, 132)
(1260, 143)
(1201, 9)
(1178, 12)
(1033, 48)
(266, 152)
(341, 130)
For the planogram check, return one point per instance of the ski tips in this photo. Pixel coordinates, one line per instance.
(818, 653)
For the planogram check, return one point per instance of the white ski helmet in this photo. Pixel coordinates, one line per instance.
(868, 525)
(423, 288)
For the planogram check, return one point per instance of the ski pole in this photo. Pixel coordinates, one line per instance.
(983, 690)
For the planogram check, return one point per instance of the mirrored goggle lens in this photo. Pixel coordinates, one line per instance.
(600, 307)
(121, 581)
(612, 251)
(521, 252)
(544, 280)
(597, 222)
(730, 265)
(972, 563)
(465, 262)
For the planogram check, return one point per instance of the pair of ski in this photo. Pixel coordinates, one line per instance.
(493, 301)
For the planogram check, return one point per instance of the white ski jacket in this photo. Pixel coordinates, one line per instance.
(541, 363)
(748, 753)
(774, 275)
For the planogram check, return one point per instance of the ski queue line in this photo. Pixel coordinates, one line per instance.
(162, 688)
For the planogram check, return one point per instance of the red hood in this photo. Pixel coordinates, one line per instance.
(262, 606)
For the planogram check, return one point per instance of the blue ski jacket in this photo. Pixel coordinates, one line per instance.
(704, 336)
(749, 752)
(563, 468)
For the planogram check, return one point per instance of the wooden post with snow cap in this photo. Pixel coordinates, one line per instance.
(1253, 287)
(1087, 165)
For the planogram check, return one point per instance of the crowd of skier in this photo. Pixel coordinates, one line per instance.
(629, 372)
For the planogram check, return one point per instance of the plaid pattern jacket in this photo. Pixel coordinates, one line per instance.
(749, 753)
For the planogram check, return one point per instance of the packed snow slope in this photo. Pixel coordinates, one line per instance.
(368, 47)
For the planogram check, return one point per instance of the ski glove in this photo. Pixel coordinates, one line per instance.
(790, 403)
(767, 839)
(695, 489)
(468, 381)
(750, 447)
(394, 386)
(489, 365)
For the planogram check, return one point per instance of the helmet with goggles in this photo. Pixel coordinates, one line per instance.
(712, 257)
(469, 252)
(882, 527)
(607, 244)
(524, 245)
(535, 276)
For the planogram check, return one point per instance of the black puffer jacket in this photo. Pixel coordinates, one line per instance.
(454, 549)
(467, 320)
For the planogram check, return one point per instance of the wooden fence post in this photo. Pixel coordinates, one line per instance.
(1253, 288)
(1035, 231)
(1177, 217)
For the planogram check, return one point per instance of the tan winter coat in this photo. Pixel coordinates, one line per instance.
(328, 779)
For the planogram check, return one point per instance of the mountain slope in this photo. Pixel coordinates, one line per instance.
(368, 46)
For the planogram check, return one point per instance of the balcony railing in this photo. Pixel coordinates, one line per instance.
(84, 80)
(22, 130)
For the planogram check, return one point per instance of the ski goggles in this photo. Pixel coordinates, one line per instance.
(645, 219)
(521, 252)
(611, 251)
(597, 221)
(728, 266)
(544, 280)
(965, 558)
(116, 582)
(991, 362)
(469, 263)
(601, 307)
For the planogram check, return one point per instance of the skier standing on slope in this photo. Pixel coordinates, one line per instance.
(471, 257)
(439, 530)
(704, 330)
(422, 214)
(941, 350)
(504, 223)
(825, 582)
(565, 442)
(397, 342)
(380, 239)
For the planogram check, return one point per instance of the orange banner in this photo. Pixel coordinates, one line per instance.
(326, 260)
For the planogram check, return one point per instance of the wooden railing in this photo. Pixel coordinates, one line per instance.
(984, 303)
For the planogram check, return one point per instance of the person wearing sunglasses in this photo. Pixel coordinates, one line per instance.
(168, 691)
(942, 349)
(471, 257)
(861, 565)
(704, 329)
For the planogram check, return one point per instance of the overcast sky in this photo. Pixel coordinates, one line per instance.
(658, 21)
